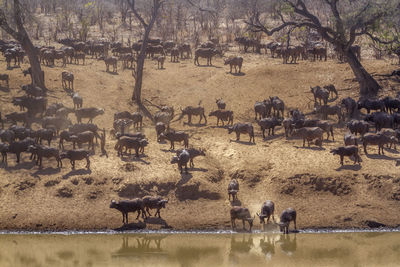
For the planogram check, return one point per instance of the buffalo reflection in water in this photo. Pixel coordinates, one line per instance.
(268, 246)
(141, 247)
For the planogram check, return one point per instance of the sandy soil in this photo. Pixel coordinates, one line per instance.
(307, 179)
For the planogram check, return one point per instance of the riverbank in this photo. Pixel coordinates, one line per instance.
(310, 180)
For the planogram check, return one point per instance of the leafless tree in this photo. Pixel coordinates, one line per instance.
(338, 22)
(147, 26)
(21, 35)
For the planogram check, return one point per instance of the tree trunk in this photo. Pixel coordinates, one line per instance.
(26, 43)
(37, 73)
(368, 85)
(137, 93)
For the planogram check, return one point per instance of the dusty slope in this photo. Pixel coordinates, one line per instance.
(277, 169)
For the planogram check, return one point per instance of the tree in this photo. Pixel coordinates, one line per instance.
(147, 26)
(123, 9)
(338, 22)
(22, 36)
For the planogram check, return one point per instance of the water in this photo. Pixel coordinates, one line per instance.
(156, 249)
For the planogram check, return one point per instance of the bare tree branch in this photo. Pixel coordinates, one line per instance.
(202, 9)
(340, 35)
(378, 40)
(131, 4)
(6, 27)
(326, 32)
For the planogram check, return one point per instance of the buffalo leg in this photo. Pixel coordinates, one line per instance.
(87, 163)
(147, 209)
(144, 216)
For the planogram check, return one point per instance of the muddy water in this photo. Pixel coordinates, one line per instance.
(153, 249)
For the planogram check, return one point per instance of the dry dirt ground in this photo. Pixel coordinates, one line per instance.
(307, 179)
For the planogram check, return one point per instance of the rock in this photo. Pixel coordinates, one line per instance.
(88, 180)
(64, 192)
(51, 183)
(374, 224)
(347, 219)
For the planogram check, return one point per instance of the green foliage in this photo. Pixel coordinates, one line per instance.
(286, 9)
